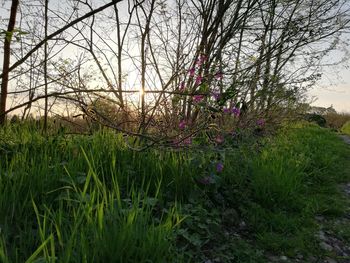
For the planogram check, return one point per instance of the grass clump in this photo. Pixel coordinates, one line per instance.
(62, 203)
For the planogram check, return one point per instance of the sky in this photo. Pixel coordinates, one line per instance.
(334, 88)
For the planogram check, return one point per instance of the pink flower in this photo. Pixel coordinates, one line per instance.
(199, 80)
(201, 60)
(226, 110)
(192, 71)
(219, 167)
(182, 125)
(187, 141)
(236, 111)
(219, 75)
(206, 180)
(216, 95)
(260, 122)
(198, 98)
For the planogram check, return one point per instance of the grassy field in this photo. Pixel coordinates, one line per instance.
(92, 199)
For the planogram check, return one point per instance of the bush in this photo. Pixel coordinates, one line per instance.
(337, 120)
(318, 119)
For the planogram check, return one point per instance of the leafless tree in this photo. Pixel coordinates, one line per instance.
(6, 62)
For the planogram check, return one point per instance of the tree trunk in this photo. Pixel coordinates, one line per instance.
(6, 64)
(45, 66)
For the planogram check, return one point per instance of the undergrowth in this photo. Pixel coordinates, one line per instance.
(92, 199)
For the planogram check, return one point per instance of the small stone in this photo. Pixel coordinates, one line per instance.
(330, 260)
(283, 258)
(299, 256)
(242, 225)
(319, 218)
(237, 235)
(273, 259)
(321, 235)
(312, 259)
(337, 248)
(325, 246)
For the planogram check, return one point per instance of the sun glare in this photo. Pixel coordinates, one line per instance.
(141, 91)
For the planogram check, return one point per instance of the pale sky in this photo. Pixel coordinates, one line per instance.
(334, 88)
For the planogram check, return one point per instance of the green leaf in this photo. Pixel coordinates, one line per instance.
(8, 36)
(203, 88)
(32, 258)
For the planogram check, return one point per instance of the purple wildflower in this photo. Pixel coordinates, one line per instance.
(226, 110)
(187, 141)
(199, 80)
(236, 111)
(192, 71)
(218, 75)
(260, 122)
(182, 124)
(201, 60)
(206, 180)
(198, 98)
(219, 167)
(216, 95)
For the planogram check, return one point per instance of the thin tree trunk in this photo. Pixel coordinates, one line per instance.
(6, 63)
(144, 65)
(45, 66)
(119, 58)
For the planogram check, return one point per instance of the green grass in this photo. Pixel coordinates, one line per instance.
(294, 179)
(346, 128)
(92, 199)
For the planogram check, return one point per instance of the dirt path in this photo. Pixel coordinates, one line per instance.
(334, 234)
(345, 138)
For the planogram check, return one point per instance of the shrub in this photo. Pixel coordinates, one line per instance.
(336, 120)
(318, 119)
